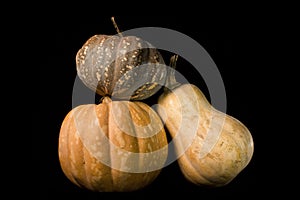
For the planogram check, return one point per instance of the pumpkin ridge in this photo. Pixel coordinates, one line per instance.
(139, 109)
(190, 177)
(82, 157)
(85, 166)
(102, 89)
(116, 68)
(147, 111)
(112, 63)
(132, 105)
(69, 150)
(108, 108)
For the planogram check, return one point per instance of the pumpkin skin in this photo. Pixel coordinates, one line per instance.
(110, 65)
(103, 162)
(214, 162)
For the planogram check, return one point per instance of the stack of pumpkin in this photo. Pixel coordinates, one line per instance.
(121, 143)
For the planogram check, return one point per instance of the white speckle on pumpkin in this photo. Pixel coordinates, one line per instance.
(127, 77)
(106, 71)
(129, 66)
(150, 129)
(98, 76)
(121, 141)
(152, 138)
(152, 86)
(149, 147)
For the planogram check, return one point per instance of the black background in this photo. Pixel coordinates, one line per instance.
(229, 44)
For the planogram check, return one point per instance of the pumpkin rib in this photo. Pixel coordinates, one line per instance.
(138, 109)
(101, 89)
(103, 107)
(115, 69)
(190, 177)
(146, 109)
(87, 157)
(85, 165)
(64, 150)
(81, 157)
(132, 105)
(114, 64)
(189, 163)
(69, 147)
(107, 108)
(141, 107)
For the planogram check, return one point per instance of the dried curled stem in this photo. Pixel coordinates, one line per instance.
(173, 61)
(171, 80)
(116, 26)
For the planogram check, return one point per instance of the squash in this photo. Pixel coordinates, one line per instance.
(112, 146)
(127, 68)
(212, 147)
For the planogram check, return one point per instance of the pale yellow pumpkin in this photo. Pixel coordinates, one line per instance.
(212, 147)
(112, 146)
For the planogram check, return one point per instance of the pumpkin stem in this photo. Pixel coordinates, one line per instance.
(116, 26)
(173, 61)
(105, 99)
(171, 80)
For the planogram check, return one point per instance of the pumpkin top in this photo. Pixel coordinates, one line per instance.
(123, 67)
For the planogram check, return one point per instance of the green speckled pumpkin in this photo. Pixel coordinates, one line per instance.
(122, 67)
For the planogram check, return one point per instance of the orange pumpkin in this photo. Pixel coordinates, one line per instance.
(112, 146)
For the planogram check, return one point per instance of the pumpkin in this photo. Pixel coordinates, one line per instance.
(112, 146)
(123, 67)
(213, 147)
